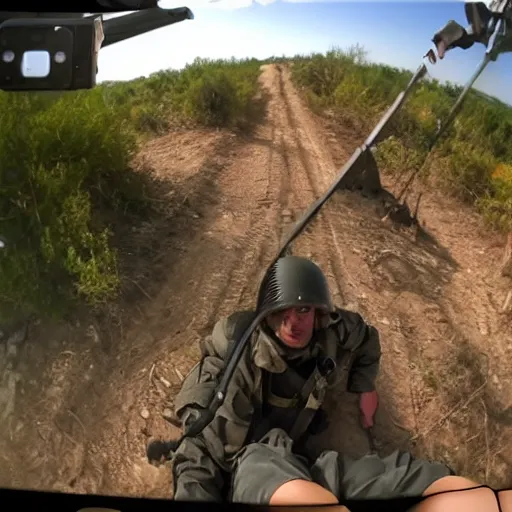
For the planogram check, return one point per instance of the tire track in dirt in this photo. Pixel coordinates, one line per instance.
(346, 231)
(319, 239)
(260, 241)
(324, 240)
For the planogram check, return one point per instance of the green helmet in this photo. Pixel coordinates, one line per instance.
(293, 281)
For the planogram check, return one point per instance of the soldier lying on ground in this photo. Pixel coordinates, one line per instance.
(303, 349)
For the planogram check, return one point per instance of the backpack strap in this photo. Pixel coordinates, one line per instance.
(312, 396)
(332, 368)
(195, 393)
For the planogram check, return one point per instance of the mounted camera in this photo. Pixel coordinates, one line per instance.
(41, 51)
(49, 53)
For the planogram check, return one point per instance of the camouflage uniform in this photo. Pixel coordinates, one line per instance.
(273, 403)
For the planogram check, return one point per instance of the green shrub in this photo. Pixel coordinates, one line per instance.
(151, 119)
(496, 204)
(212, 100)
(60, 162)
(216, 93)
(463, 163)
(206, 92)
(65, 175)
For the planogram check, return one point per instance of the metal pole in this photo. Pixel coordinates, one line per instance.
(460, 99)
(489, 54)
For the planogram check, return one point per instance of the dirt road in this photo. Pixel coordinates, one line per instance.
(90, 397)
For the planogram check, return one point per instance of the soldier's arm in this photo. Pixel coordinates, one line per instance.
(200, 461)
(196, 476)
(364, 340)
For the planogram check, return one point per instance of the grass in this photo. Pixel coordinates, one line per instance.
(214, 93)
(461, 424)
(66, 159)
(473, 161)
(66, 173)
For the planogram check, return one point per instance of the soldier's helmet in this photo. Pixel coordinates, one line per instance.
(293, 281)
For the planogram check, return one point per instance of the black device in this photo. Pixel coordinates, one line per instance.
(49, 53)
(59, 51)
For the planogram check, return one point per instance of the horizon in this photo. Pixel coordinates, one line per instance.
(397, 34)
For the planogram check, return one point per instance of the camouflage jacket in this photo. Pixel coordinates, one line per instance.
(201, 463)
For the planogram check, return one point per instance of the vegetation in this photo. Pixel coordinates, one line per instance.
(65, 169)
(207, 92)
(65, 159)
(473, 161)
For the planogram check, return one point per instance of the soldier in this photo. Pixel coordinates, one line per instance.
(303, 349)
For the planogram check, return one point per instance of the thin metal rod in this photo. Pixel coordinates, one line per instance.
(470, 83)
(460, 100)
(358, 153)
(455, 109)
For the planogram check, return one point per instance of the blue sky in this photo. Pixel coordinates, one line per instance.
(397, 33)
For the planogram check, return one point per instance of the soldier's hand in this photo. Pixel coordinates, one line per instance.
(368, 403)
(158, 451)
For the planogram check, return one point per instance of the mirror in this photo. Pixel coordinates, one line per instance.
(35, 64)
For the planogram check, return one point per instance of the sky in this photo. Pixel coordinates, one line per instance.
(394, 33)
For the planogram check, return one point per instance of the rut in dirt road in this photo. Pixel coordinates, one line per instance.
(313, 173)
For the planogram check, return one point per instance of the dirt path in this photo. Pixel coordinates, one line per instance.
(94, 397)
(436, 297)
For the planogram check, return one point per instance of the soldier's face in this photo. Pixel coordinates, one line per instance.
(294, 326)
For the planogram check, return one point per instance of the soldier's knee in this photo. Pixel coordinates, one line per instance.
(302, 492)
(466, 496)
(450, 483)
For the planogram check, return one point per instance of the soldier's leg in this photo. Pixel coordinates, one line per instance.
(465, 499)
(373, 477)
(268, 472)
